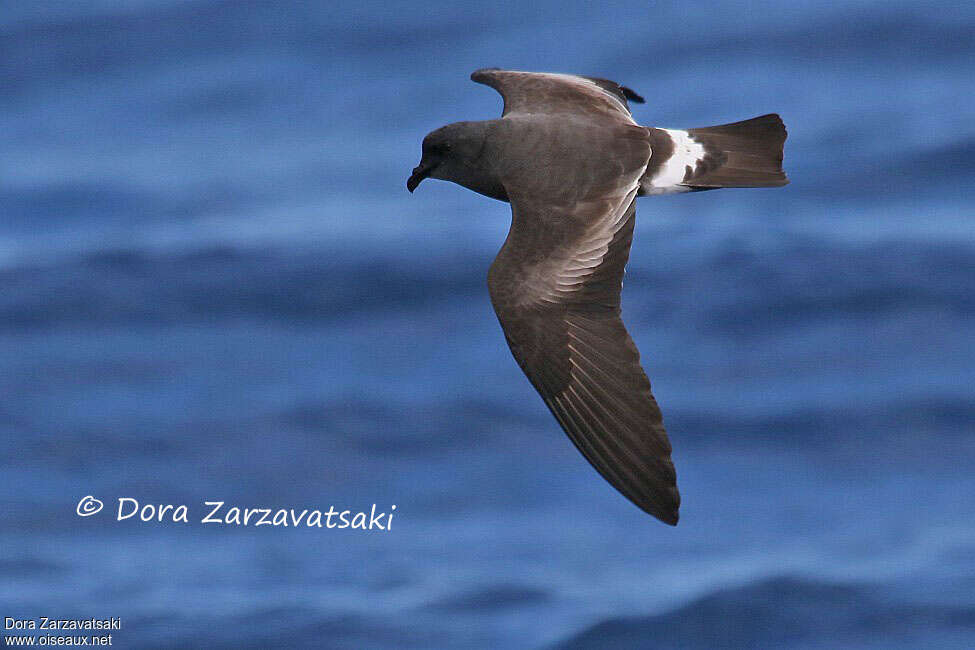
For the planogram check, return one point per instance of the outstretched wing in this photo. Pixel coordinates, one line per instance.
(557, 295)
(541, 92)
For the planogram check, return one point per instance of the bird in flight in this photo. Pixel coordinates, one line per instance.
(568, 157)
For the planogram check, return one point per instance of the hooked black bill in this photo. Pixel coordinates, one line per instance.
(420, 172)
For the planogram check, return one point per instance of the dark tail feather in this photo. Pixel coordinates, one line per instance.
(741, 154)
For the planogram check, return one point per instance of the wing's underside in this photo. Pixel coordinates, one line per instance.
(579, 357)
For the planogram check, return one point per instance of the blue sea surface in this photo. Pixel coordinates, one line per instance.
(215, 287)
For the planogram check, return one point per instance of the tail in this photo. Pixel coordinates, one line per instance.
(741, 154)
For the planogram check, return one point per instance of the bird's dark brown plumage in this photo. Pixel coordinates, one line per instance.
(570, 159)
(556, 283)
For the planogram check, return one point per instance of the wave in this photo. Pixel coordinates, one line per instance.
(786, 612)
(731, 290)
(496, 597)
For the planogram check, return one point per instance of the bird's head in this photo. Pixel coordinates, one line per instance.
(437, 150)
(452, 153)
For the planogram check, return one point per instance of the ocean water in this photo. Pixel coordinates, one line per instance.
(215, 287)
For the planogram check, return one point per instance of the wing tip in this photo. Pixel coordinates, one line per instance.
(670, 519)
(632, 96)
(668, 513)
(481, 75)
(662, 503)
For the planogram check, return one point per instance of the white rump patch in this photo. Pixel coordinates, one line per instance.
(687, 153)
